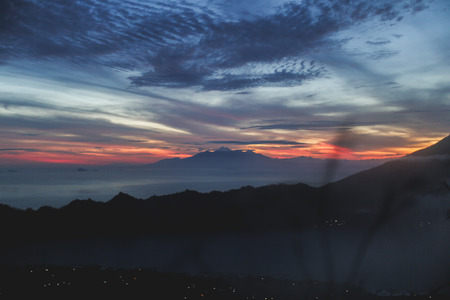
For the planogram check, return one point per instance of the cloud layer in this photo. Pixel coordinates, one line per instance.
(181, 44)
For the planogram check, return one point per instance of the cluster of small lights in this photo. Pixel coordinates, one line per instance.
(124, 280)
(198, 290)
(229, 289)
(127, 281)
(53, 284)
(397, 293)
(57, 284)
(333, 223)
(424, 224)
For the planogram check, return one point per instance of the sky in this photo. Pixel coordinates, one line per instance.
(116, 81)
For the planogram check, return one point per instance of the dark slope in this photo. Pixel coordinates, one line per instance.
(397, 179)
(395, 185)
(277, 207)
(258, 209)
(440, 148)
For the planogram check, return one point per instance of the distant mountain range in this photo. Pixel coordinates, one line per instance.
(250, 165)
(221, 158)
(225, 158)
(373, 195)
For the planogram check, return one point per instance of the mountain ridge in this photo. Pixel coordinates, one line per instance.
(253, 168)
(224, 152)
(391, 188)
(442, 147)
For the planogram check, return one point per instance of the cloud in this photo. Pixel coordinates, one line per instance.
(20, 149)
(228, 81)
(312, 125)
(182, 44)
(294, 30)
(274, 142)
(69, 129)
(382, 54)
(113, 33)
(366, 142)
(378, 42)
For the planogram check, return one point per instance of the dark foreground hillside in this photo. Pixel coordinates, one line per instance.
(280, 207)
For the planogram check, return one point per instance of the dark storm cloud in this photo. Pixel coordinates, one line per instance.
(274, 142)
(186, 45)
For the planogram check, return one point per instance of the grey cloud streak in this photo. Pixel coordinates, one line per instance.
(366, 142)
(73, 129)
(273, 142)
(313, 125)
(378, 42)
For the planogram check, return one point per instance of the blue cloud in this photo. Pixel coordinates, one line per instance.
(183, 44)
(378, 42)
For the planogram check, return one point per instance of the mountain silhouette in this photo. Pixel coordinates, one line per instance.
(440, 148)
(391, 189)
(223, 158)
(223, 149)
(248, 166)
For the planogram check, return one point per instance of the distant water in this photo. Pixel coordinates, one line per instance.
(33, 188)
(56, 186)
(413, 261)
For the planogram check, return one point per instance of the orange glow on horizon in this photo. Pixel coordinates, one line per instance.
(329, 151)
(79, 153)
(110, 155)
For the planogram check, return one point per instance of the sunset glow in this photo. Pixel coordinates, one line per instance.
(281, 78)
